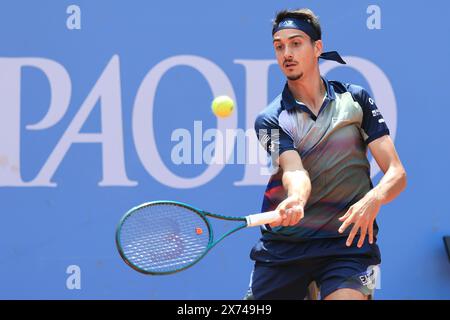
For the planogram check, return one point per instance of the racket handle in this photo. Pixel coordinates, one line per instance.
(259, 219)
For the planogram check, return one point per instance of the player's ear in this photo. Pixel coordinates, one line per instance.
(318, 48)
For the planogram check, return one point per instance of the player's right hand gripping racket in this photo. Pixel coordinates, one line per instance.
(164, 237)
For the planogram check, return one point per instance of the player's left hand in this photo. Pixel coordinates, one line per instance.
(362, 215)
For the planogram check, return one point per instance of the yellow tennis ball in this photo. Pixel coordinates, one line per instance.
(222, 106)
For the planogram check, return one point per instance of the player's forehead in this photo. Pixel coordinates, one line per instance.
(287, 34)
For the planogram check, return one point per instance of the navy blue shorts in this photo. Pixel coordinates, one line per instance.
(284, 270)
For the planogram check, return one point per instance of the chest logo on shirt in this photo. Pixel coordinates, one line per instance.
(343, 116)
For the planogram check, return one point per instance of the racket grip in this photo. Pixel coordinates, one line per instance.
(259, 219)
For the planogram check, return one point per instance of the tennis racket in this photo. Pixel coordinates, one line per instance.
(164, 237)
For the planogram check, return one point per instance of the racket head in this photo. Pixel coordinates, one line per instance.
(163, 237)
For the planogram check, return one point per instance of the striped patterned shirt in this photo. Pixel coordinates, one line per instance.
(333, 149)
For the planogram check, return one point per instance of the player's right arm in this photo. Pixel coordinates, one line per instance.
(280, 145)
(298, 186)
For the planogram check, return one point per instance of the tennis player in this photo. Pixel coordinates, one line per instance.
(317, 132)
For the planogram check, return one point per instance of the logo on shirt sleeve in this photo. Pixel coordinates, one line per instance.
(376, 113)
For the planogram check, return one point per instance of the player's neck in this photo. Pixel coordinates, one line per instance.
(309, 89)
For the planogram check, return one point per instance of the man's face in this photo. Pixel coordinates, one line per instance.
(295, 52)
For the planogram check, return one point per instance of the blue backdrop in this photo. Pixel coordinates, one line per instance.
(91, 95)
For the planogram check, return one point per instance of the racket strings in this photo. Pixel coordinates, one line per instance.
(163, 238)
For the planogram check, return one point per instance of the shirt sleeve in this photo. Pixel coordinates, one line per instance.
(271, 136)
(373, 124)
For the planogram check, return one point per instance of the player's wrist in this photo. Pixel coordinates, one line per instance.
(301, 201)
(376, 196)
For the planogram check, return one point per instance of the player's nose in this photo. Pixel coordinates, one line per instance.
(287, 53)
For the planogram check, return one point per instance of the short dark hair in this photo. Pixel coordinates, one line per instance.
(301, 14)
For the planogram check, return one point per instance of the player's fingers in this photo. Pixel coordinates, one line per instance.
(294, 213)
(290, 217)
(371, 232)
(352, 235)
(347, 214)
(346, 223)
(287, 221)
(362, 236)
(276, 223)
(298, 212)
(282, 212)
(290, 212)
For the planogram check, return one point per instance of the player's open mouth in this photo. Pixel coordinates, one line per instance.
(290, 65)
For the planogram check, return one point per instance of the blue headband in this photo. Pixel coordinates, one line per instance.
(306, 27)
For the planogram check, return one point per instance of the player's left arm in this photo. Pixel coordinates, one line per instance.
(362, 214)
(394, 179)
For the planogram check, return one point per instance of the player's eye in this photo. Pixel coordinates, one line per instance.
(278, 47)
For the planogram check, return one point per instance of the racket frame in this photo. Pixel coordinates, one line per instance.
(203, 214)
